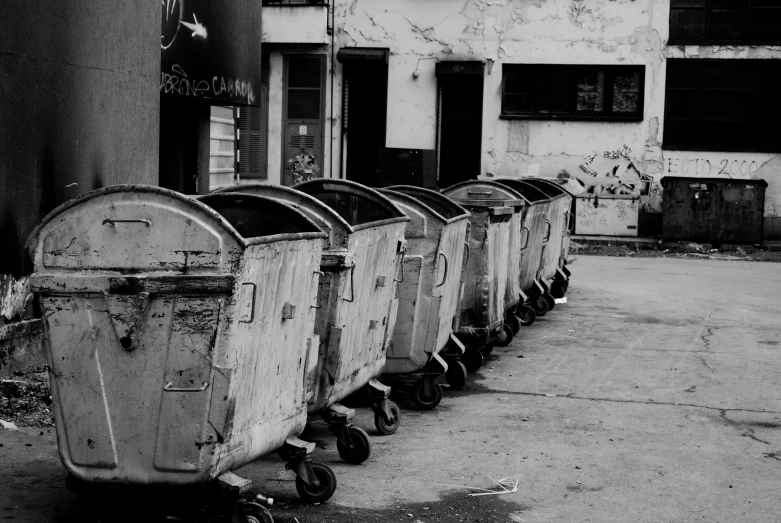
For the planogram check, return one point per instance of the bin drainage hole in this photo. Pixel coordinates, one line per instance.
(126, 342)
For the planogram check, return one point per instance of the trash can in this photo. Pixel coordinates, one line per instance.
(555, 273)
(176, 334)
(428, 295)
(357, 302)
(492, 206)
(536, 233)
(714, 210)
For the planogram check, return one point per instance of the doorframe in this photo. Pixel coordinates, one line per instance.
(285, 69)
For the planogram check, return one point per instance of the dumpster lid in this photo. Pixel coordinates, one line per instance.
(548, 186)
(530, 192)
(261, 219)
(441, 204)
(134, 228)
(329, 221)
(484, 193)
(360, 206)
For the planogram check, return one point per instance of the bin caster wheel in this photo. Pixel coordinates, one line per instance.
(456, 375)
(541, 306)
(527, 315)
(257, 513)
(505, 337)
(558, 288)
(514, 322)
(487, 349)
(472, 360)
(362, 447)
(386, 427)
(424, 401)
(322, 492)
(551, 301)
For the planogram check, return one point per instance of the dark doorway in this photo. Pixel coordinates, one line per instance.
(365, 111)
(460, 122)
(180, 123)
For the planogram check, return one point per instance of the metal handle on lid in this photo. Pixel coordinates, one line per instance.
(482, 193)
(114, 223)
(170, 388)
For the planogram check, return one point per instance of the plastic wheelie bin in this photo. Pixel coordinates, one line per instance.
(536, 232)
(357, 302)
(555, 271)
(428, 295)
(175, 335)
(353, 443)
(492, 206)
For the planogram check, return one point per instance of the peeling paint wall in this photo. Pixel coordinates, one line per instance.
(612, 32)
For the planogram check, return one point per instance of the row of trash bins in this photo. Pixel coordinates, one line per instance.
(188, 336)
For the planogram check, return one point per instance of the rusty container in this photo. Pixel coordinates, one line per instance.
(713, 210)
(177, 334)
(535, 236)
(357, 300)
(428, 294)
(555, 275)
(492, 206)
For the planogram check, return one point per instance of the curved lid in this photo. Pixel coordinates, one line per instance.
(360, 206)
(261, 219)
(484, 193)
(441, 204)
(137, 228)
(326, 218)
(529, 191)
(549, 186)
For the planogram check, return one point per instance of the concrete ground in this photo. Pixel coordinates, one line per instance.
(651, 396)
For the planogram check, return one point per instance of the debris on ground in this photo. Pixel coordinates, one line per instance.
(506, 486)
(660, 249)
(25, 398)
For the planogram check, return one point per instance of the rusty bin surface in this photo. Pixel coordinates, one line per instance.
(492, 206)
(535, 232)
(164, 320)
(430, 291)
(713, 210)
(357, 294)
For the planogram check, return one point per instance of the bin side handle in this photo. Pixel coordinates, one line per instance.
(352, 285)
(570, 222)
(466, 261)
(170, 388)
(319, 304)
(403, 252)
(114, 223)
(547, 230)
(526, 230)
(444, 278)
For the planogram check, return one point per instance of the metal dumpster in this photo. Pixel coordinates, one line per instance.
(176, 334)
(357, 301)
(428, 294)
(536, 232)
(492, 206)
(555, 273)
(715, 210)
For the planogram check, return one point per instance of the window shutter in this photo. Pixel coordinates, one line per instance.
(251, 127)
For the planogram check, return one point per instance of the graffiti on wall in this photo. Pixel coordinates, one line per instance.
(304, 166)
(705, 167)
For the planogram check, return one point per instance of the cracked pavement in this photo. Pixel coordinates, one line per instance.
(651, 396)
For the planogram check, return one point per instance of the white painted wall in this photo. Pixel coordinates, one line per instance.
(537, 31)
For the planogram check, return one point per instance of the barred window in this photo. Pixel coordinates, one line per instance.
(573, 92)
(723, 105)
(725, 21)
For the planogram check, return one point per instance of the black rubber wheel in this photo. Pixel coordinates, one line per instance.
(456, 375)
(423, 401)
(487, 349)
(541, 306)
(557, 288)
(257, 513)
(527, 315)
(551, 301)
(514, 322)
(388, 427)
(321, 493)
(362, 447)
(472, 360)
(505, 337)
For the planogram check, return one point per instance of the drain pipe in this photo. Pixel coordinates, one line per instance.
(332, 6)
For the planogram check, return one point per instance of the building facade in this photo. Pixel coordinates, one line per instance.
(614, 94)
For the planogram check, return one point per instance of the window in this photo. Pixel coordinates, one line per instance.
(252, 127)
(725, 21)
(573, 92)
(723, 105)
